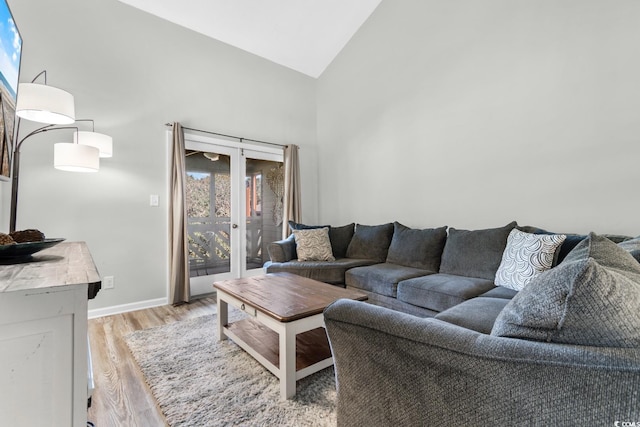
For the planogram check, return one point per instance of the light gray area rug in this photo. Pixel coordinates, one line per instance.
(199, 381)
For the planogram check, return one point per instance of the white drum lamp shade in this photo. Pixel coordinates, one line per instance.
(45, 104)
(76, 157)
(104, 143)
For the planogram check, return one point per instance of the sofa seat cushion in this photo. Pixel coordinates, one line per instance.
(324, 271)
(477, 314)
(475, 253)
(381, 278)
(439, 292)
(592, 299)
(500, 292)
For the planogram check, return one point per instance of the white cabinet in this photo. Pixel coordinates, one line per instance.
(43, 337)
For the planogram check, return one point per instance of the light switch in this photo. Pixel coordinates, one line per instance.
(153, 200)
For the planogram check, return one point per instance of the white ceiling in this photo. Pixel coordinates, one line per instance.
(305, 35)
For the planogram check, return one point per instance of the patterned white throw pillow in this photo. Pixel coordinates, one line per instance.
(313, 244)
(525, 256)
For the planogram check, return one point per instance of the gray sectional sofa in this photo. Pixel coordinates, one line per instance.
(442, 344)
(421, 272)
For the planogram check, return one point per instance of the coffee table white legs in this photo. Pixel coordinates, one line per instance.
(223, 317)
(286, 332)
(287, 362)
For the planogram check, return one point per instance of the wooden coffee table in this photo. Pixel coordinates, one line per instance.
(285, 328)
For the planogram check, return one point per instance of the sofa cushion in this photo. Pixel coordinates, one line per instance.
(592, 298)
(475, 253)
(500, 292)
(370, 242)
(632, 246)
(324, 271)
(477, 314)
(525, 256)
(298, 226)
(340, 238)
(381, 278)
(417, 248)
(439, 292)
(313, 245)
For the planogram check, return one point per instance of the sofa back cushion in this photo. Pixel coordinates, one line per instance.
(340, 238)
(371, 242)
(592, 298)
(417, 248)
(632, 246)
(475, 253)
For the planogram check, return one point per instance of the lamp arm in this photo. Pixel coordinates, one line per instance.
(42, 130)
(39, 74)
(16, 168)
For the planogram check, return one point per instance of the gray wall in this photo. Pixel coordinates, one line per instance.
(132, 73)
(473, 113)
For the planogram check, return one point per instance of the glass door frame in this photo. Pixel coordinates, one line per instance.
(238, 152)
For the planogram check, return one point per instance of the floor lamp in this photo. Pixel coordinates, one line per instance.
(55, 107)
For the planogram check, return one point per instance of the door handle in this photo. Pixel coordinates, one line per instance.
(234, 226)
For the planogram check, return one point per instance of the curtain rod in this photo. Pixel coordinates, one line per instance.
(228, 136)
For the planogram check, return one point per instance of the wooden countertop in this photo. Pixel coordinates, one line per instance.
(67, 263)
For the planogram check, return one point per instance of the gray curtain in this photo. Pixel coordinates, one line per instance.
(292, 210)
(178, 241)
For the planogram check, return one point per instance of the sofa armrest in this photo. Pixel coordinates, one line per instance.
(397, 369)
(282, 250)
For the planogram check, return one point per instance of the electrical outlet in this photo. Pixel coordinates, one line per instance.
(153, 200)
(107, 282)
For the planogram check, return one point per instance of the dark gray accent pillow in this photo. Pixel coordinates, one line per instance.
(417, 248)
(475, 253)
(340, 238)
(569, 243)
(298, 226)
(371, 242)
(592, 298)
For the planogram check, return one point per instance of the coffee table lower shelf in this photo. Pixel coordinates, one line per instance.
(312, 347)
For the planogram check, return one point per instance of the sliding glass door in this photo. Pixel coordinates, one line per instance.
(234, 208)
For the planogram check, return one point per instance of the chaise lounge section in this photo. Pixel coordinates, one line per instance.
(565, 350)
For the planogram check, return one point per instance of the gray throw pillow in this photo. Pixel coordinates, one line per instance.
(417, 248)
(475, 253)
(340, 238)
(370, 242)
(592, 298)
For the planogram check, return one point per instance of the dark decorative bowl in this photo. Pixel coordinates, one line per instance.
(21, 250)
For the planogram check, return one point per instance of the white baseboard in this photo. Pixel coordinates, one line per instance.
(124, 308)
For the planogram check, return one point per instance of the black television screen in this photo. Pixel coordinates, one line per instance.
(10, 53)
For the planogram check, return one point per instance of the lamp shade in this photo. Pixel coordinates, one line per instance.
(45, 104)
(76, 157)
(104, 143)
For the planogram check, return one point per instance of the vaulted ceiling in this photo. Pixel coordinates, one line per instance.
(305, 35)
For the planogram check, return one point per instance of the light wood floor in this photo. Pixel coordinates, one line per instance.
(121, 397)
